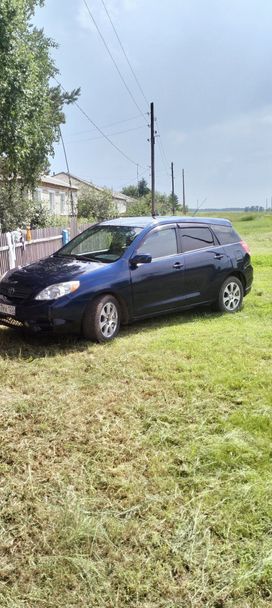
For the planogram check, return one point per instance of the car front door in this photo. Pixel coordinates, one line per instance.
(158, 285)
(206, 263)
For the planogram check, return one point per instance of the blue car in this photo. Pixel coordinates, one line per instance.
(126, 269)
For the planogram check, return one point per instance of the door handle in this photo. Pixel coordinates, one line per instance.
(218, 256)
(178, 265)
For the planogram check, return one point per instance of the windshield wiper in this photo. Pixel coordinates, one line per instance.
(57, 254)
(89, 258)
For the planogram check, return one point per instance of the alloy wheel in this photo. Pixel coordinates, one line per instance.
(108, 320)
(231, 296)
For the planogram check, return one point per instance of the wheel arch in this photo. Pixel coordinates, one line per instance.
(121, 301)
(240, 276)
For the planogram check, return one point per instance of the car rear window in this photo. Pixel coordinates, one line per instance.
(225, 234)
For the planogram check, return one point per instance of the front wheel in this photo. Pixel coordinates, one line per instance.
(101, 321)
(230, 296)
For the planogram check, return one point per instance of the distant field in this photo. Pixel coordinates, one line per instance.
(256, 227)
(139, 474)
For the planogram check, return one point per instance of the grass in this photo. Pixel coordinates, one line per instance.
(138, 474)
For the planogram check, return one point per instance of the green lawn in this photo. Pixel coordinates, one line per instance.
(138, 474)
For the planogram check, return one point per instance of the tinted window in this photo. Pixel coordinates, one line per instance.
(195, 238)
(160, 243)
(226, 234)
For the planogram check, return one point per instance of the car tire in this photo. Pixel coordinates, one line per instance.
(230, 296)
(101, 321)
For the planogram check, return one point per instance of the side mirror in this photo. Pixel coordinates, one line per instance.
(141, 258)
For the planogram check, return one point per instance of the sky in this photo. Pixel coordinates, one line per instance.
(206, 66)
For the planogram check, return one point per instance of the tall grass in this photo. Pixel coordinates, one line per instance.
(138, 474)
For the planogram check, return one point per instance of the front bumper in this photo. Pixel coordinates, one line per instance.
(44, 317)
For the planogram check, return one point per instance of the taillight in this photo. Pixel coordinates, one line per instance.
(245, 247)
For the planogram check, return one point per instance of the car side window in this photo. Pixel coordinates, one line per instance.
(160, 243)
(195, 238)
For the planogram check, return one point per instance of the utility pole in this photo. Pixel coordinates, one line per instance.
(138, 179)
(152, 143)
(73, 214)
(183, 193)
(173, 188)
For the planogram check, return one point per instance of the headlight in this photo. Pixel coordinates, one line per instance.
(53, 292)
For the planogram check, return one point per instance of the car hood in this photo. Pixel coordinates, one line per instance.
(54, 269)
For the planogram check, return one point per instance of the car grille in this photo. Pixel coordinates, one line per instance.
(13, 291)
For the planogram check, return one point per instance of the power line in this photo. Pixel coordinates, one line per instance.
(124, 52)
(165, 161)
(93, 123)
(125, 180)
(163, 155)
(112, 124)
(112, 58)
(162, 152)
(68, 171)
(100, 130)
(111, 134)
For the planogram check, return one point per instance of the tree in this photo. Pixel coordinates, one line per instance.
(163, 205)
(141, 207)
(143, 188)
(174, 203)
(94, 205)
(131, 191)
(137, 191)
(21, 213)
(31, 110)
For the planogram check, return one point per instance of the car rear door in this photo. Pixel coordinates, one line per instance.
(159, 285)
(206, 264)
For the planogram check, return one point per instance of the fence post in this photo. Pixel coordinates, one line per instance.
(73, 226)
(11, 250)
(65, 237)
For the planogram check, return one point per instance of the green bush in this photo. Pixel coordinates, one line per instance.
(248, 218)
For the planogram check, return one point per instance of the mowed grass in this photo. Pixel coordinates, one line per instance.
(138, 474)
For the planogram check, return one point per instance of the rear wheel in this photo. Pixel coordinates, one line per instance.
(230, 297)
(101, 321)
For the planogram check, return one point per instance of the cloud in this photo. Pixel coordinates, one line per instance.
(250, 125)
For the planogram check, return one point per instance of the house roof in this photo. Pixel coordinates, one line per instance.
(85, 182)
(116, 195)
(54, 181)
(123, 197)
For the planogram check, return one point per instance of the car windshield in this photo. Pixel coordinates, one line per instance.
(101, 243)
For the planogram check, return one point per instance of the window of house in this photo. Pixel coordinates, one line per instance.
(52, 201)
(160, 243)
(38, 195)
(62, 203)
(195, 238)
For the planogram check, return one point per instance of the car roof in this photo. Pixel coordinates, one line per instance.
(144, 221)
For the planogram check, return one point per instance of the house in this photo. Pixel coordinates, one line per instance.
(121, 201)
(56, 195)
